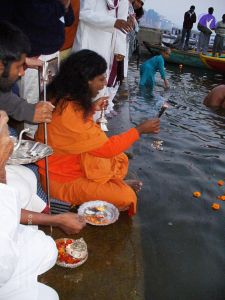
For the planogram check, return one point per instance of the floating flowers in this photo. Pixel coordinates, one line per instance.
(220, 182)
(157, 145)
(215, 206)
(221, 197)
(197, 194)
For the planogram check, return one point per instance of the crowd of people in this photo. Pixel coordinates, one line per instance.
(86, 164)
(206, 25)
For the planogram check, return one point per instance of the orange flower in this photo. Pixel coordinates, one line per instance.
(221, 197)
(220, 182)
(197, 194)
(68, 242)
(61, 250)
(215, 206)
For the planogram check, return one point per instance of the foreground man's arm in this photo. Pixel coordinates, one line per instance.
(70, 223)
(20, 110)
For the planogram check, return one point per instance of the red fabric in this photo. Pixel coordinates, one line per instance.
(46, 210)
(113, 73)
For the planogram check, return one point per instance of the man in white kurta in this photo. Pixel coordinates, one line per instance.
(25, 183)
(25, 253)
(97, 31)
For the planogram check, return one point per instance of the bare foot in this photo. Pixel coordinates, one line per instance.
(135, 184)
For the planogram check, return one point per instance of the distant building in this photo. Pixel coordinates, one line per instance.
(152, 19)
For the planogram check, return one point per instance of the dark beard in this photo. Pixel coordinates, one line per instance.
(6, 84)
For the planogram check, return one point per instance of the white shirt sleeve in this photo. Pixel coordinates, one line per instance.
(99, 19)
(123, 10)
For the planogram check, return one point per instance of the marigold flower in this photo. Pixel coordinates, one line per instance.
(197, 194)
(220, 182)
(215, 206)
(221, 197)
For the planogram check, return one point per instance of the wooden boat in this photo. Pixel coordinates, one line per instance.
(188, 58)
(171, 46)
(215, 63)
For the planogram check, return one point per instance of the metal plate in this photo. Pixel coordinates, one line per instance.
(99, 213)
(29, 152)
(61, 246)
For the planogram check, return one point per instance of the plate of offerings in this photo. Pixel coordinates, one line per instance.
(28, 152)
(99, 213)
(71, 253)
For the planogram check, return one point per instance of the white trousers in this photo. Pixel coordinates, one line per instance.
(112, 93)
(38, 254)
(25, 253)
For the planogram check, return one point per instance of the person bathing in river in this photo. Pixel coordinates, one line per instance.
(86, 164)
(149, 68)
(216, 98)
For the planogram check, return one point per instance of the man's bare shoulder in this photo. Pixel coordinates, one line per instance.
(216, 97)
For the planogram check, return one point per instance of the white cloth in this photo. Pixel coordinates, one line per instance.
(112, 91)
(96, 29)
(130, 38)
(24, 181)
(96, 32)
(25, 253)
(29, 86)
(111, 4)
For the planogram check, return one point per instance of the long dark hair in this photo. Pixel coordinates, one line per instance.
(71, 83)
(13, 43)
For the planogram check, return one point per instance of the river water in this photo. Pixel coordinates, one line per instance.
(183, 239)
(174, 248)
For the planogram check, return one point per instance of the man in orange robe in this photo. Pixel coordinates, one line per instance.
(86, 164)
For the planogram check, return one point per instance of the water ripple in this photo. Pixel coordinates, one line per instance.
(192, 247)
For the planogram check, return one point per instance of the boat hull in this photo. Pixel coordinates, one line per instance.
(188, 58)
(215, 63)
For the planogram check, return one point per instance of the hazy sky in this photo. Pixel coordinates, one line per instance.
(174, 9)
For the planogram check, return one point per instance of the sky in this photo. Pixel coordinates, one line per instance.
(174, 10)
